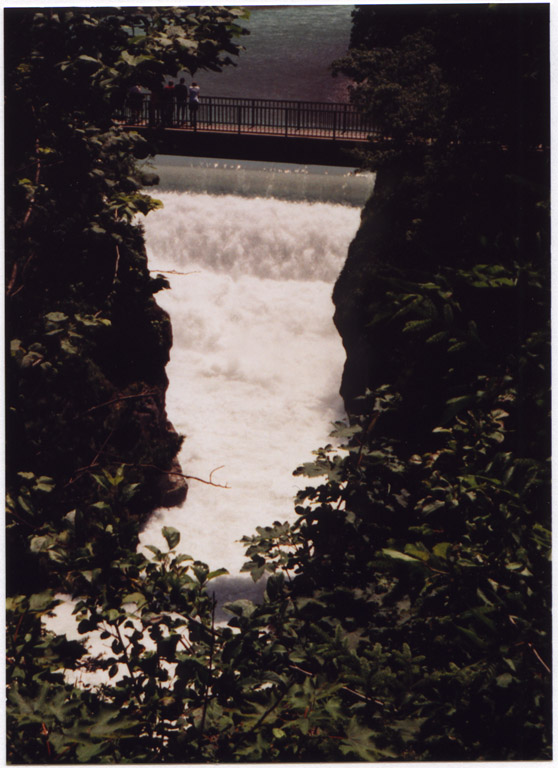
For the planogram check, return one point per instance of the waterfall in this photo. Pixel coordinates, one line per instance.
(256, 363)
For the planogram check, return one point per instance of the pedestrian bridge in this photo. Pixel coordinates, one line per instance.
(252, 129)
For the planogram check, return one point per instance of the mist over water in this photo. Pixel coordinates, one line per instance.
(256, 364)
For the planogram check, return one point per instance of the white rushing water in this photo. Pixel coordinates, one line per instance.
(256, 364)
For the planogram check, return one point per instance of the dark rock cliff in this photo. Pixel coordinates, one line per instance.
(460, 246)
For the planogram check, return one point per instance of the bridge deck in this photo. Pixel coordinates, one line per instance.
(247, 130)
(270, 117)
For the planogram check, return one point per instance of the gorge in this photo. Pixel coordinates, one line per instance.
(403, 609)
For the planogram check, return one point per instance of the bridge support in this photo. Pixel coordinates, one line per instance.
(280, 149)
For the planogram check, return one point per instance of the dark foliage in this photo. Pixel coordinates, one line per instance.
(88, 344)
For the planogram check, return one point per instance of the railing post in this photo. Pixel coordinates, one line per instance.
(344, 118)
(286, 121)
(334, 123)
(239, 116)
(298, 117)
(253, 112)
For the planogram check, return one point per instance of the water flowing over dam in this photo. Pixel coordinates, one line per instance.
(256, 363)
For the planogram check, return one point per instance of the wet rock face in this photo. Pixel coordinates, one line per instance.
(173, 487)
(351, 297)
(148, 436)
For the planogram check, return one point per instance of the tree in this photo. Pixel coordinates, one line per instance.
(88, 343)
(437, 518)
(461, 74)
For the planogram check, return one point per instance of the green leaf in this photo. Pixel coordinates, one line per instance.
(45, 484)
(441, 549)
(89, 59)
(134, 597)
(42, 601)
(400, 556)
(417, 325)
(56, 317)
(218, 572)
(409, 729)
(86, 752)
(171, 535)
(359, 742)
(503, 681)
(240, 607)
(182, 558)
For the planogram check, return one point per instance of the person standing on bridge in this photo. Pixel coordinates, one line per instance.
(155, 100)
(194, 103)
(135, 103)
(181, 93)
(168, 104)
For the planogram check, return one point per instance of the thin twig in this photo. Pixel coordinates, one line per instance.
(532, 647)
(344, 687)
(37, 179)
(150, 393)
(210, 671)
(179, 474)
(21, 520)
(270, 709)
(545, 665)
(116, 265)
(186, 644)
(370, 427)
(10, 289)
(137, 693)
(212, 472)
(147, 466)
(94, 462)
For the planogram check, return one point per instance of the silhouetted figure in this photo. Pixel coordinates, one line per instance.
(135, 103)
(155, 105)
(167, 104)
(181, 93)
(194, 103)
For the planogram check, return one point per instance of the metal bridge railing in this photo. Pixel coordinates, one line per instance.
(309, 119)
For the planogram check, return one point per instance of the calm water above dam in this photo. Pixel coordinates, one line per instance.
(288, 55)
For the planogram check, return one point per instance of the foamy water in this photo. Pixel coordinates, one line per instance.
(256, 363)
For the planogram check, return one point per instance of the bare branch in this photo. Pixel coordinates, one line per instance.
(116, 265)
(94, 465)
(118, 399)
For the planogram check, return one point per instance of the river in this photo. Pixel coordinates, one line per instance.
(256, 363)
